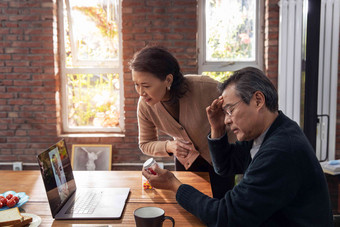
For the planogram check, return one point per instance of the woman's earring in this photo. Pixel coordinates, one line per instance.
(169, 88)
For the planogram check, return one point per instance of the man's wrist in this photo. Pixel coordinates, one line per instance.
(175, 183)
(217, 133)
(176, 186)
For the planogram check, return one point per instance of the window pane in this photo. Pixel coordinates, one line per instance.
(92, 35)
(93, 100)
(219, 76)
(91, 71)
(230, 30)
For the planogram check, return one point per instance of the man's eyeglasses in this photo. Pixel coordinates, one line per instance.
(228, 109)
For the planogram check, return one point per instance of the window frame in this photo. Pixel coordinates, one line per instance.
(87, 70)
(225, 66)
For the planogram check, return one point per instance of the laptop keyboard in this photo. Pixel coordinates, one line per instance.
(85, 203)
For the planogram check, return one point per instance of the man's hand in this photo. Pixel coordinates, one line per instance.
(216, 118)
(179, 148)
(163, 180)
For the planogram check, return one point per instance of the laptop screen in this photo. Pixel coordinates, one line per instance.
(56, 171)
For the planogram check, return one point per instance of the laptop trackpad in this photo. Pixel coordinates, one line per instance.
(95, 203)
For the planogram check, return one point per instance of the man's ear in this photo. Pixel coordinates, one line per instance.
(260, 100)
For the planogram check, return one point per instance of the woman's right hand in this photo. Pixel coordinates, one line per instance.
(179, 148)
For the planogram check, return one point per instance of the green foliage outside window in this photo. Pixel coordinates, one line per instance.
(93, 100)
(219, 76)
(102, 43)
(230, 30)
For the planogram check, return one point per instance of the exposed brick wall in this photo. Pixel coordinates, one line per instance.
(29, 77)
(170, 23)
(27, 80)
(271, 39)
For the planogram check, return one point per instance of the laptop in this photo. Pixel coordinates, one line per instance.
(66, 200)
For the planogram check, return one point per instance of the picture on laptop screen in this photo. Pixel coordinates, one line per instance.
(59, 174)
(55, 166)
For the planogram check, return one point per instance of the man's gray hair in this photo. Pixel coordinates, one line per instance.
(249, 80)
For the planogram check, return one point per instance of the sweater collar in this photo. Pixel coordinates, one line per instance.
(277, 122)
(257, 143)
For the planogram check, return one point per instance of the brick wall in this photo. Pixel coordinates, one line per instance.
(30, 83)
(27, 79)
(271, 39)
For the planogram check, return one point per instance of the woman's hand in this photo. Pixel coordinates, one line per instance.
(179, 148)
(163, 179)
(216, 117)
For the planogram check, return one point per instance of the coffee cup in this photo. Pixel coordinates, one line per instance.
(151, 217)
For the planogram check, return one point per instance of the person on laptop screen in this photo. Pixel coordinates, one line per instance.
(59, 174)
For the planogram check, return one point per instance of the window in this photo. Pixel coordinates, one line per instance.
(230, 35)
(92, 92)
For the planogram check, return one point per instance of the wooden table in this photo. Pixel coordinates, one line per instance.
(31, 183)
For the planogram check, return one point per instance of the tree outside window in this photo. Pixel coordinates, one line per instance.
(229, 30)
(229, 36)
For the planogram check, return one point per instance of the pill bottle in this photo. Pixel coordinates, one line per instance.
(149, 165)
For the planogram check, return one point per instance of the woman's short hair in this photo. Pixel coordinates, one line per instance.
(158, 61)
(249, 80)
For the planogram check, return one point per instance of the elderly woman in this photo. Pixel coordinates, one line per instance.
(175, 105)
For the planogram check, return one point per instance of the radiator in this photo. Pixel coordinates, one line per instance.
(328, 79)
(291, 43)
(290, 57)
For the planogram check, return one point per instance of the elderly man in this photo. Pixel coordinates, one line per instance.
(283, 183)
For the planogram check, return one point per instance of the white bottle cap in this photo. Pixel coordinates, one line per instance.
(149, 163)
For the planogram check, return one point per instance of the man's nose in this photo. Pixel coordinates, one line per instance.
(227, 119)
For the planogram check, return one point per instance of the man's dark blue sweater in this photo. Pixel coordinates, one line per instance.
(283, 185)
